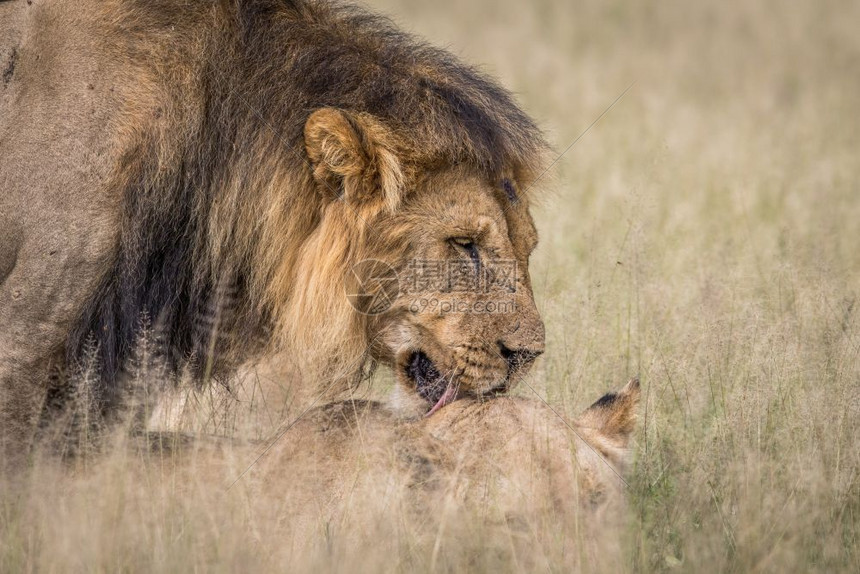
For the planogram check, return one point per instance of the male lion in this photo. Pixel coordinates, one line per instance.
(213, 172)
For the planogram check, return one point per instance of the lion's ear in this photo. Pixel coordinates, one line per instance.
(614, 415)
(353, 155)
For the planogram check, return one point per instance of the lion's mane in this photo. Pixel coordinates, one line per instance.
(226, 246)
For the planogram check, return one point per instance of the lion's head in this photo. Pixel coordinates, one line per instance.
(272, 159)
(423, 268)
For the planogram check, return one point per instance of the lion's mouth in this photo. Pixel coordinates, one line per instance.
(430, 384)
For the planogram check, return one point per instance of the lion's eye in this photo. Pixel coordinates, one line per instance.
(464, 242)
(468, 245)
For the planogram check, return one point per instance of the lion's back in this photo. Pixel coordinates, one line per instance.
(59, 218)
(518, 451)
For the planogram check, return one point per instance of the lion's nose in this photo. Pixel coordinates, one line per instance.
(518, 358)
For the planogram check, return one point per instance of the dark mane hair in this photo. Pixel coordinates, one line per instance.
(218, 99)
(330, 54)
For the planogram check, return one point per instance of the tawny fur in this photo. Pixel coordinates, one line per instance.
(515, 455)
(226, 165)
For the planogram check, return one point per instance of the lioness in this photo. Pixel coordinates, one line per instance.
(215, 172)
(509, 458)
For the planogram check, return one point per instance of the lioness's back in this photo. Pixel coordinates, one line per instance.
(523, 451)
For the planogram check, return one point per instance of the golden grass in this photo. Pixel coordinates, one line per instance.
(702, 235)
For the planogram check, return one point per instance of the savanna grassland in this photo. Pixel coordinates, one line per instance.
(701, 232)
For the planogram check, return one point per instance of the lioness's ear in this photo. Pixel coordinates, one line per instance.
(614, 414)
(354, 155)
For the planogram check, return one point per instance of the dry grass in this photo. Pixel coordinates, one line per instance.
(702, 235)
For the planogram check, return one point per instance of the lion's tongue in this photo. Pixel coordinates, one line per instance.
(448, 396)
